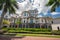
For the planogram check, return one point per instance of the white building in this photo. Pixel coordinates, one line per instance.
(30, 19)
(56, 24)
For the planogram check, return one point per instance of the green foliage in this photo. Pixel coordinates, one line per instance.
(31, 31)
(50, 3)
(37, 29)
(18, 22)
(6, 22)
(56, 32)
(9, 5)
(54, 3)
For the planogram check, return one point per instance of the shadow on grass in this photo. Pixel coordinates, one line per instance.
(9, 37)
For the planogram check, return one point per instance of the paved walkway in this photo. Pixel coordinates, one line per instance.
(28, 38)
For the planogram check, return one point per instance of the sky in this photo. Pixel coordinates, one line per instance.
(32, 4)
(25, 5)
(40, 5)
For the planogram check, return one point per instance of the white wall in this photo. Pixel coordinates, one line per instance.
(40, 20)
(56, 21)
(54, 26)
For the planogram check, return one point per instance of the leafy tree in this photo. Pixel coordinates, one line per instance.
(55, 3)
(7, 6)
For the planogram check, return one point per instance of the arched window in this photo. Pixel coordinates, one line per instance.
(25, 14)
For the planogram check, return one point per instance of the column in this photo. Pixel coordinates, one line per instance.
(25, 25)
(22, 25)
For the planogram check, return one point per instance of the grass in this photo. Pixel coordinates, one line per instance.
(34, 35)
(39, 35)
(31, 32)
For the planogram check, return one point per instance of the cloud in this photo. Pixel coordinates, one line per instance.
(39, 4)
(55, 13)
(39, 16)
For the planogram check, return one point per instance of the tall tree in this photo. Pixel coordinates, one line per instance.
(55, 3)
(7, 6)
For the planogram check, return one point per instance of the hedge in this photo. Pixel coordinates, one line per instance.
(56, 32)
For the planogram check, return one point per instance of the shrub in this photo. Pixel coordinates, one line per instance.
(18, 22)
(55, 32)
(6, 22)
(27, 29)
(37, 30)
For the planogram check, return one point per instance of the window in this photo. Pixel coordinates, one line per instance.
(32, 14)
(31, 20)
(24, 21)
(25, 14)
(42, 20)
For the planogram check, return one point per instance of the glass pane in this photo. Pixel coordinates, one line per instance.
(24, 14)
(31, 20)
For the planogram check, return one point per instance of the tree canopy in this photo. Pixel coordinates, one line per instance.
(55, 3)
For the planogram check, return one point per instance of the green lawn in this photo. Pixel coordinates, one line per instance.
(39, 35)
(35, 35)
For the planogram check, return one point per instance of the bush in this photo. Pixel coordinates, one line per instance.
(29, 30)
(55, 32)
(6, 22)
(18, 22)
(37, 30)
(2, 31)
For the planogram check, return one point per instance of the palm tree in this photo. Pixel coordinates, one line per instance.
(7, 6)
(55, 3)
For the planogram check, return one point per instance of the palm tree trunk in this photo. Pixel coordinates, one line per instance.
(1, 19)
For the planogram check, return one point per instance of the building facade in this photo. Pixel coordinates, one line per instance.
(30, 19)
(56, 24)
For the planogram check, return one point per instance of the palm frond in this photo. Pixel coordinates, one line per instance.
(50, 3)
(53, 7)
(11, 10)
(15, 4)
(1, 6)
(10, 5)
(55, 2)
